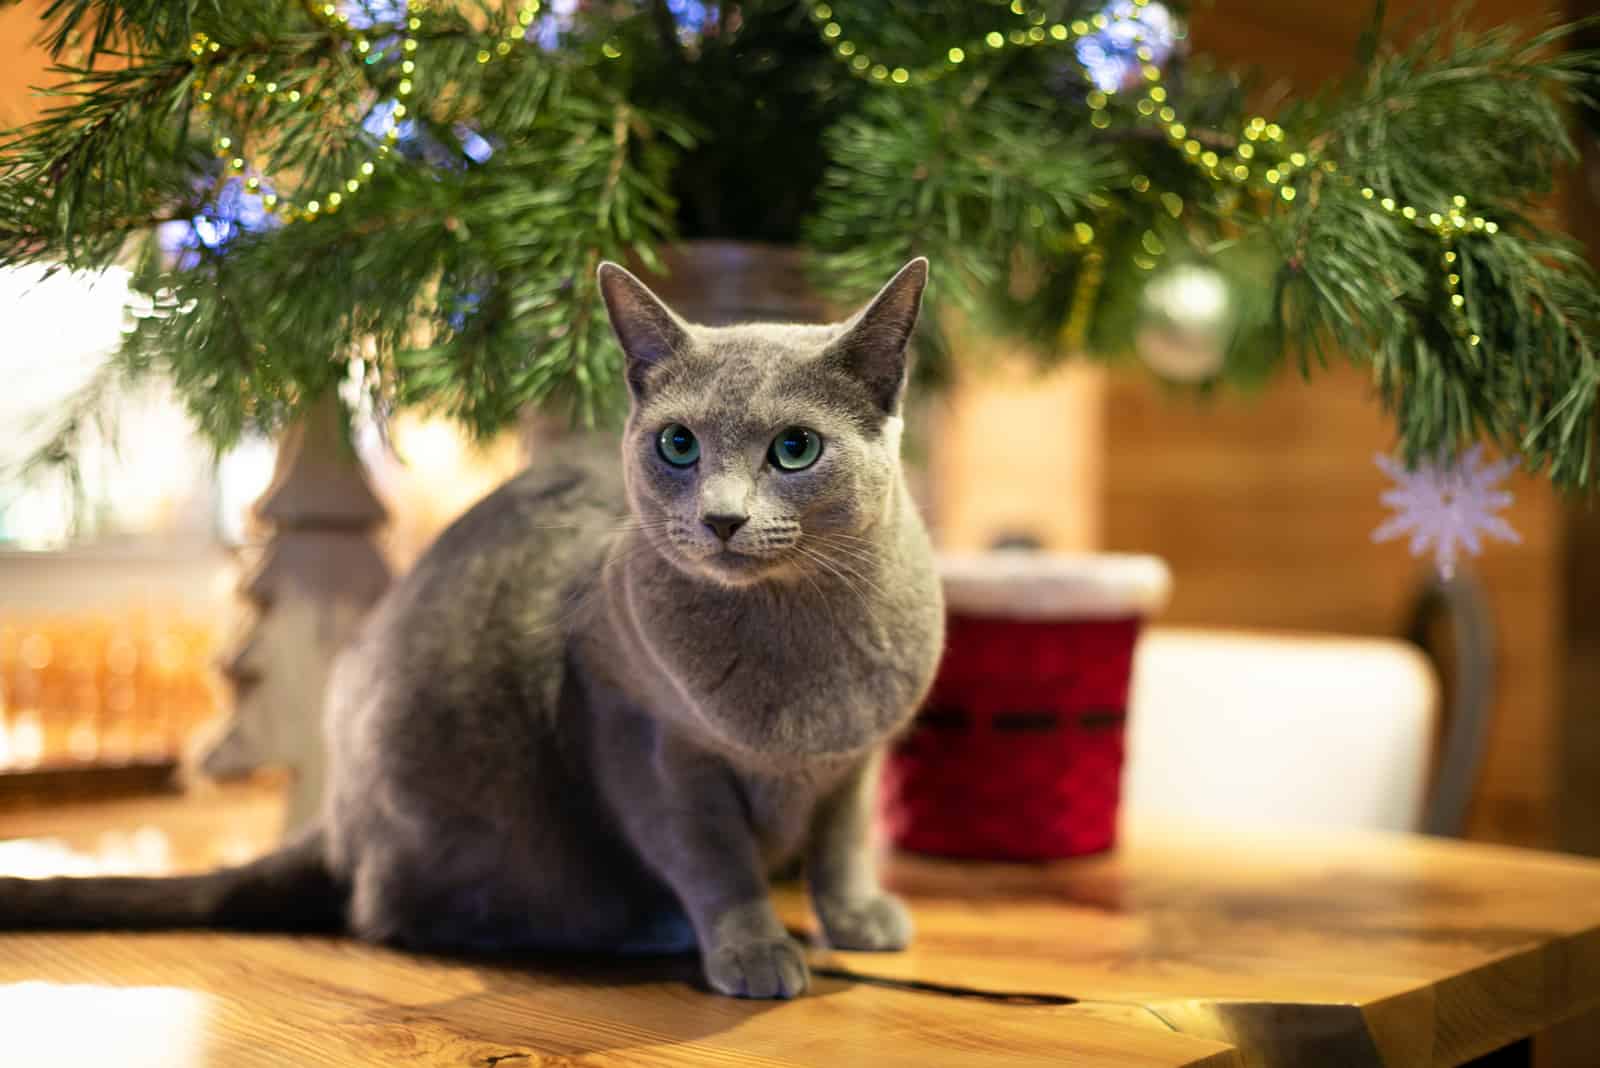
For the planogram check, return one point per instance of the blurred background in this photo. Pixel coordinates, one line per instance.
(118, 591)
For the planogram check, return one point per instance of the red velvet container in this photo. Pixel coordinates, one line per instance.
(1017, 754)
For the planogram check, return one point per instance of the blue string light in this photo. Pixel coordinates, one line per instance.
(550, 31)
(1110, 56)
(365, 14)
(236, 210)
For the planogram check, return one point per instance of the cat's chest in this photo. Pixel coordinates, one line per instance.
(788, 652)
(781, 811)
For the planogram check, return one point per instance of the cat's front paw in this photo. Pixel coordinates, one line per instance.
(871, 923)
(758, 968)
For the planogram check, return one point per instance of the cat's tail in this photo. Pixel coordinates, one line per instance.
(291, 889)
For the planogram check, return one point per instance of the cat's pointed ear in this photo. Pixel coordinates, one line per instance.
(648, 331)
(874, 342)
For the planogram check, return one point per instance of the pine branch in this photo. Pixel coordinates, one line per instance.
(96, 159)
(160, 25)
(464, 284)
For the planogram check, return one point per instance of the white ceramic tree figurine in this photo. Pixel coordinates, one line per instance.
(316, 577)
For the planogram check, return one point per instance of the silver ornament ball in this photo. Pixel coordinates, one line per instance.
(1186, 323)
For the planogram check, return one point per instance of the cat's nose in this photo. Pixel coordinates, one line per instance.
(723, 526)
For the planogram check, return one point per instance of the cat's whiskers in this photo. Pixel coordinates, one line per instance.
(822, 597)
(833, 568)
(577, 605)
(622, 525)
(854, 571)
(845, 536)
(640, 523)
(628, 524)
(868, 559)
(850, 567)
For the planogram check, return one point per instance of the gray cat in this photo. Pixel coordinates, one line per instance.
(605, 706)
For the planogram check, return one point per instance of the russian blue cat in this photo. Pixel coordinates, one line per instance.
(611, 699)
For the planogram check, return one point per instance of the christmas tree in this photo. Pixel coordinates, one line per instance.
(415, 197)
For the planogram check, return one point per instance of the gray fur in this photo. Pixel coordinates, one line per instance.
(579, 723)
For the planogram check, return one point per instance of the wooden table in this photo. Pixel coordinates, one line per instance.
(1210, 950)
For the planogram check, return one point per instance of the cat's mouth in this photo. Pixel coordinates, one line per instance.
(729, 565)
(730, 559)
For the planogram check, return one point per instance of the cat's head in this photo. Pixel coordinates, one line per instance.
(758, 451)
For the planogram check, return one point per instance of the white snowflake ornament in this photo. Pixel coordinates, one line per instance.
(1447, 506)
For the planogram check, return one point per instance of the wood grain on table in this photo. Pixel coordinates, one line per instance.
(1342, 950)
(176, 1001)
(1211, 950)
(187, 1000)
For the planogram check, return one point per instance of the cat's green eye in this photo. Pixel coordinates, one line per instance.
(677, 445)
(795, 448)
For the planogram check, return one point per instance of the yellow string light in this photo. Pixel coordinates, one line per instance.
(1447, 225)
(1258, 131)
(1235, 165)
(202, 49)
(279, 204)
(1041, 31)
(1085, 290)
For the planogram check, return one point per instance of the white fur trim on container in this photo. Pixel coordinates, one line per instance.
(1031, 585)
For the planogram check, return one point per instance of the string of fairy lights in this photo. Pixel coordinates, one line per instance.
(230, 148)
(1258, 161)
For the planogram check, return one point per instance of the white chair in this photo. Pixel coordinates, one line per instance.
(1263, 730)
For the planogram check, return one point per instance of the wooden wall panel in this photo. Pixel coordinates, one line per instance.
(1264, 507)
(23, 65)
(1016, 453)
